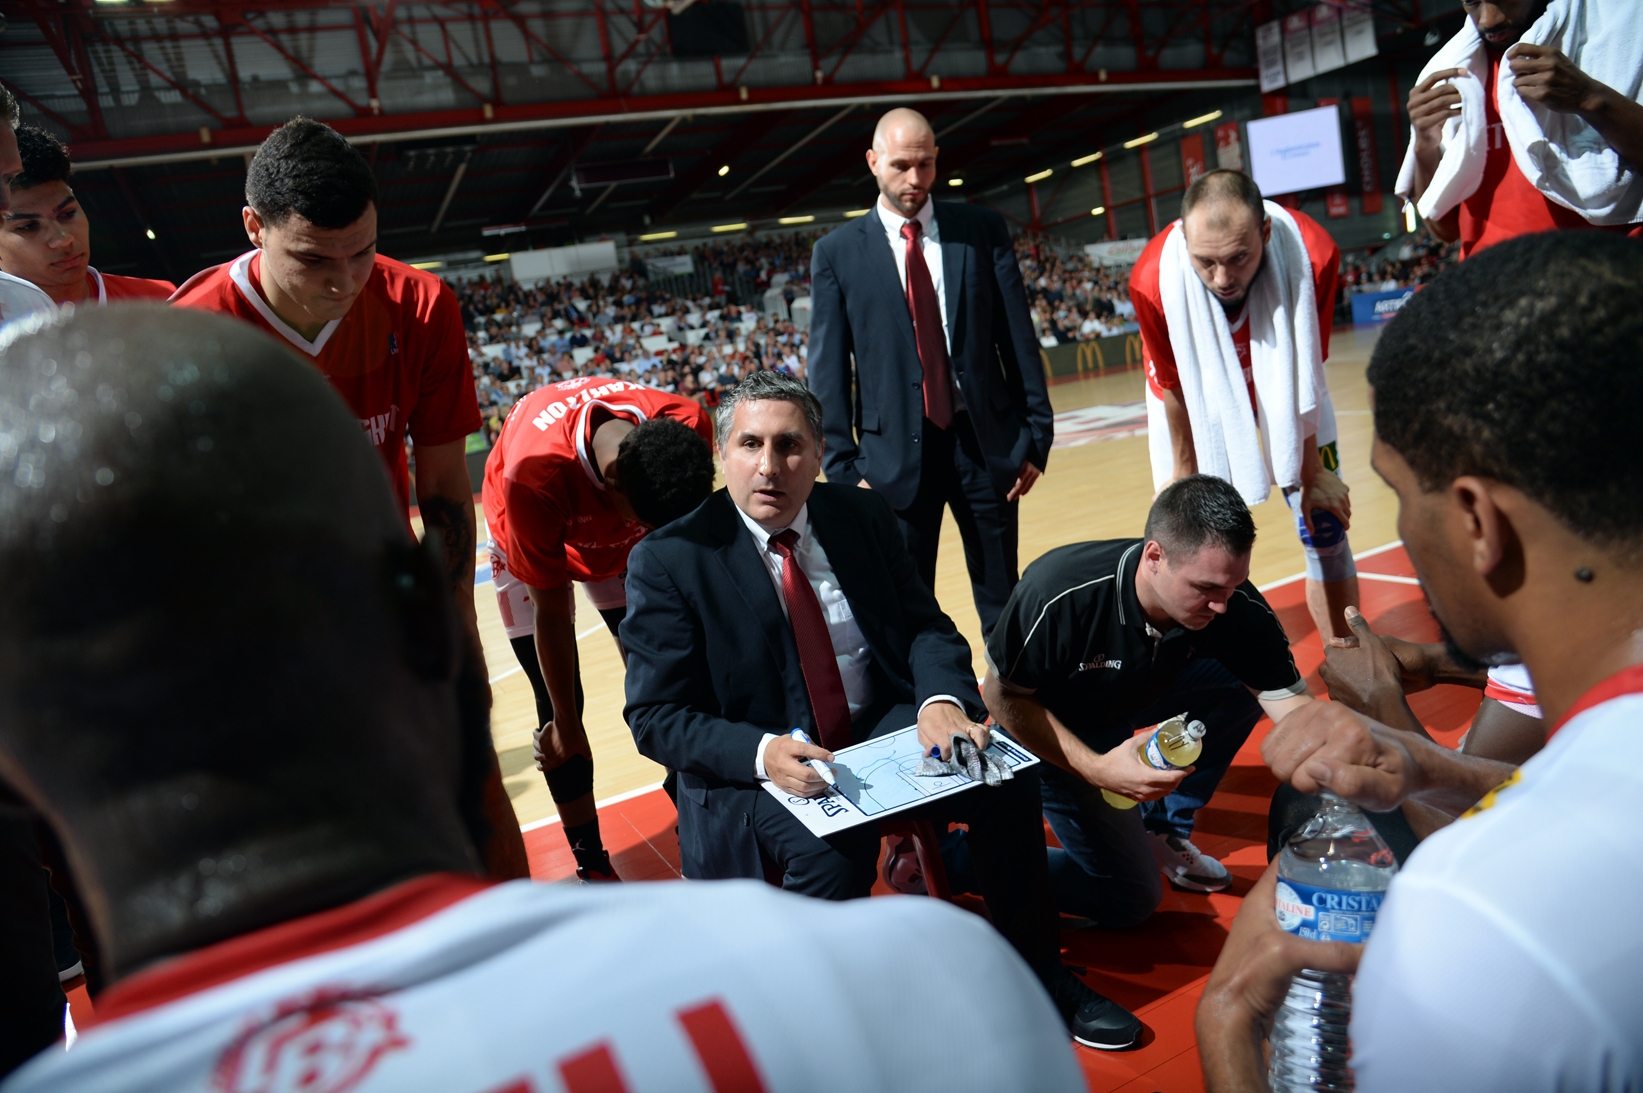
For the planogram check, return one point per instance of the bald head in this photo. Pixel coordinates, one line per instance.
(903, 160)
(1226, 228)
(216, 635)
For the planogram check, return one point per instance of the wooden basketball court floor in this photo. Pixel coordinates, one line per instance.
(1098, 485)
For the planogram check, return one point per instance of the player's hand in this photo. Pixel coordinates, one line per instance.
(940, 721)
(1249, 982)
(556, 742)
(1326, 491)
(785, 764)
(1024, 479)
(1361, 672)
(1122, 771)
(1418, 662)
(1542, 74)
(1324, 745)
(1432, 102)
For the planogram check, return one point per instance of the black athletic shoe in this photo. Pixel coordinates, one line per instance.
(600, 872)
(1094, 1020)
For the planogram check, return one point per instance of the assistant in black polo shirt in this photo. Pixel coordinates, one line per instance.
(1100, 639)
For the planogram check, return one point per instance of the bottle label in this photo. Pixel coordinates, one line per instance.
(1155, 756)
(1327, 914)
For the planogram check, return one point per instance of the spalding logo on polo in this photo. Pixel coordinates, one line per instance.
(1326, 914)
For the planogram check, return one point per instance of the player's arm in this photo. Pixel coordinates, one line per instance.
(1030, 722)
(1180, 432)
(1321, 488)
(444, 494)
(555, 621)
(1542, 74)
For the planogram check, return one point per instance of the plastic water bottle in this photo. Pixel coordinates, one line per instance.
(1332, 876)
(1174, 744)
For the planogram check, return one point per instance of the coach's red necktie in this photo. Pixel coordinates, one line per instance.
(925, 307)
(816, 657)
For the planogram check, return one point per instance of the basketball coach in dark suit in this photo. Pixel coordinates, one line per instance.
(782, 602)
(923, 355)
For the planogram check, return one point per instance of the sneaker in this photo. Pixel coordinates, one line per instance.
(1186, 866)
(600, 872)
(901, 869)
(1094, 1020)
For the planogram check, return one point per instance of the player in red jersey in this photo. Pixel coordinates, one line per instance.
(388, 337)
(45, 237)
(580, 472)
(1507, 204)
(1228, 232)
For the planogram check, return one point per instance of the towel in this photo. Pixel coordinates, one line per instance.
(1561, 155)
(967, 760)
(1286, 360)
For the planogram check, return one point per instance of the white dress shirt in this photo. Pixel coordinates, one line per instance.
(929, 242)
(849, 644)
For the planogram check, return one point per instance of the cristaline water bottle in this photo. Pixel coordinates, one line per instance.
(1332, 875)
(1174, 744)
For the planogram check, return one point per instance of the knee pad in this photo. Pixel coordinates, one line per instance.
(1328, 554)
(570, 780)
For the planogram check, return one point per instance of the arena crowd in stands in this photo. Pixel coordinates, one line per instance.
(1073, 299)
(1413, 262)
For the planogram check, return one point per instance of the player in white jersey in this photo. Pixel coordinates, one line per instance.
(1505, 956)
(269, 790)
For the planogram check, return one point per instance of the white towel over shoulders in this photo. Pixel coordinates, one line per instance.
(1286, 362)
(1561, 155)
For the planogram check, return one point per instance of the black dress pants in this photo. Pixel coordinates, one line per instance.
(1006, 844)
(954, 475)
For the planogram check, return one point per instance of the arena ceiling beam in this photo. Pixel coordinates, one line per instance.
(209, 143)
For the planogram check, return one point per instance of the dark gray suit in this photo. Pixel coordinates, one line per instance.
(863, 364)
(712, 666)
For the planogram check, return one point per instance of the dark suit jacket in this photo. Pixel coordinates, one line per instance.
(712, 665)
(863, 361)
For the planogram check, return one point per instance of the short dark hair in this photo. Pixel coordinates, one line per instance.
(9, 114)
(665, 469)
(1521, 365)
(45, 158)
(768, 385)
(1197, 510)
(1222, 185)
(308, 168)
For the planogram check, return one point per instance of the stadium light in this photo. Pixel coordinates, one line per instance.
(1040, 176)
(725, 170)
(1139, 141)
(730, 227)
(149, 232)
(955, 182)
(427, 265)
(1098, 210)
(1201, 119)
(795, 219)
(498, 257)
(851, 214)
(654, 236)
(1082, 160)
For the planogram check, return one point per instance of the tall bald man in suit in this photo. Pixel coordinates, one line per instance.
(923, 355)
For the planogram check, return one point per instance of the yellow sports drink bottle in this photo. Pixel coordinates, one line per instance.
(1174, 744)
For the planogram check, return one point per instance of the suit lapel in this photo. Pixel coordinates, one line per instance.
(840, 536)
(883, 280)
(954, 249)
(751, 580)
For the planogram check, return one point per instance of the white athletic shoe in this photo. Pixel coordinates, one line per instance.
(1186, 866)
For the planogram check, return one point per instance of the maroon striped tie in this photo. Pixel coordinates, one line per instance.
(816, 657)
(925, 307)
